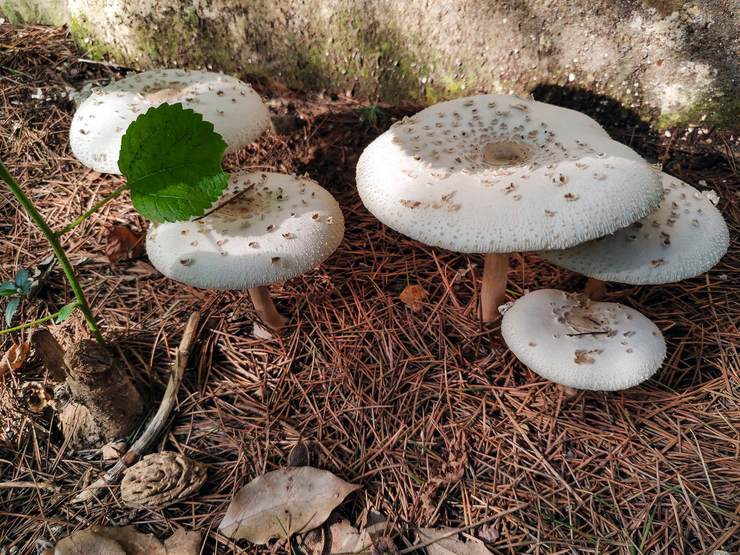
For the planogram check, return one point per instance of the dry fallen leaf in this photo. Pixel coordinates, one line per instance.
(183, 542)
(113, 450)
(313, 542)
(125, 541)
(283, 502)
(413, 296)
(261, 332)
(123, 244)
(345, 538)
(451, 545)
(14, 357)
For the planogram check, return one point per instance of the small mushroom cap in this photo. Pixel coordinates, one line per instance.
(573, 341)
(498, 173)
(235, 110)
(683, 238)
(269, 228)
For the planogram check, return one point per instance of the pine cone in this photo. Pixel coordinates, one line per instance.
(161, 479)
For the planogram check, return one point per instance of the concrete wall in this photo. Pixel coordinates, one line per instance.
(673, 61)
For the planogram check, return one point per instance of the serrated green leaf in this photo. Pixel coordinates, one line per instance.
(65, 312)
(171, 158)
(10, 309)
(7, 288)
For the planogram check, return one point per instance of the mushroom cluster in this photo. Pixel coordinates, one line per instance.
(232, 106)
(496, 174)
(265, 228)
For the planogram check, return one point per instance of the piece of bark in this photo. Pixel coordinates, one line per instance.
(78, 426)
(98, 383)
(50, 353)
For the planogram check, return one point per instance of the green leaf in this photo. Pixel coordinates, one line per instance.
(171, 158)
(65, 312)
(7, 288)
(10, 309)
(23, 281)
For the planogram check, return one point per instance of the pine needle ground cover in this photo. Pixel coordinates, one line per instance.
(415, 401)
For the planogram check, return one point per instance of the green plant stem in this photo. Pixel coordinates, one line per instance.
(32, 323)
(38, 219)
(97, 206)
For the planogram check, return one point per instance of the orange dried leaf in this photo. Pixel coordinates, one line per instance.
(14, 357)
(414, 296)
(123, 244)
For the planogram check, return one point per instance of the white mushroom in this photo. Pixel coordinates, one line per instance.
(497, 174)
(267, 228)
(235, 110)
(584, 344)
(683, 238)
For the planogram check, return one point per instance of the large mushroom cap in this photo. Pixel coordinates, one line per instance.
(235, 110)
(683, 238)
(584, 344)
(497, 173)
(269, 228)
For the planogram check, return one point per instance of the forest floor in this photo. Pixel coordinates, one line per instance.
(427, 409)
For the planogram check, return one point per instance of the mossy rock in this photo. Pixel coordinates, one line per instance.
(668, 61)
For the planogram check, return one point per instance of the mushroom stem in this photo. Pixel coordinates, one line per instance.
(595, 289)
(266, 308)
(493, 285)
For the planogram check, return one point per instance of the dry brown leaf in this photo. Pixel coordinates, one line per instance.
(183, 542)
(14, 357)
(123, 244)
(413, 296)
(125, 541)
(283, 502)
(261, 332)
(87, 542)
(451, 545)
(313, 542)
(345, 538)
(489, 532)
(132, 541)
(113, 450)
(92, 176)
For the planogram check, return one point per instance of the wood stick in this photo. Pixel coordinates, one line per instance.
(159, 420)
